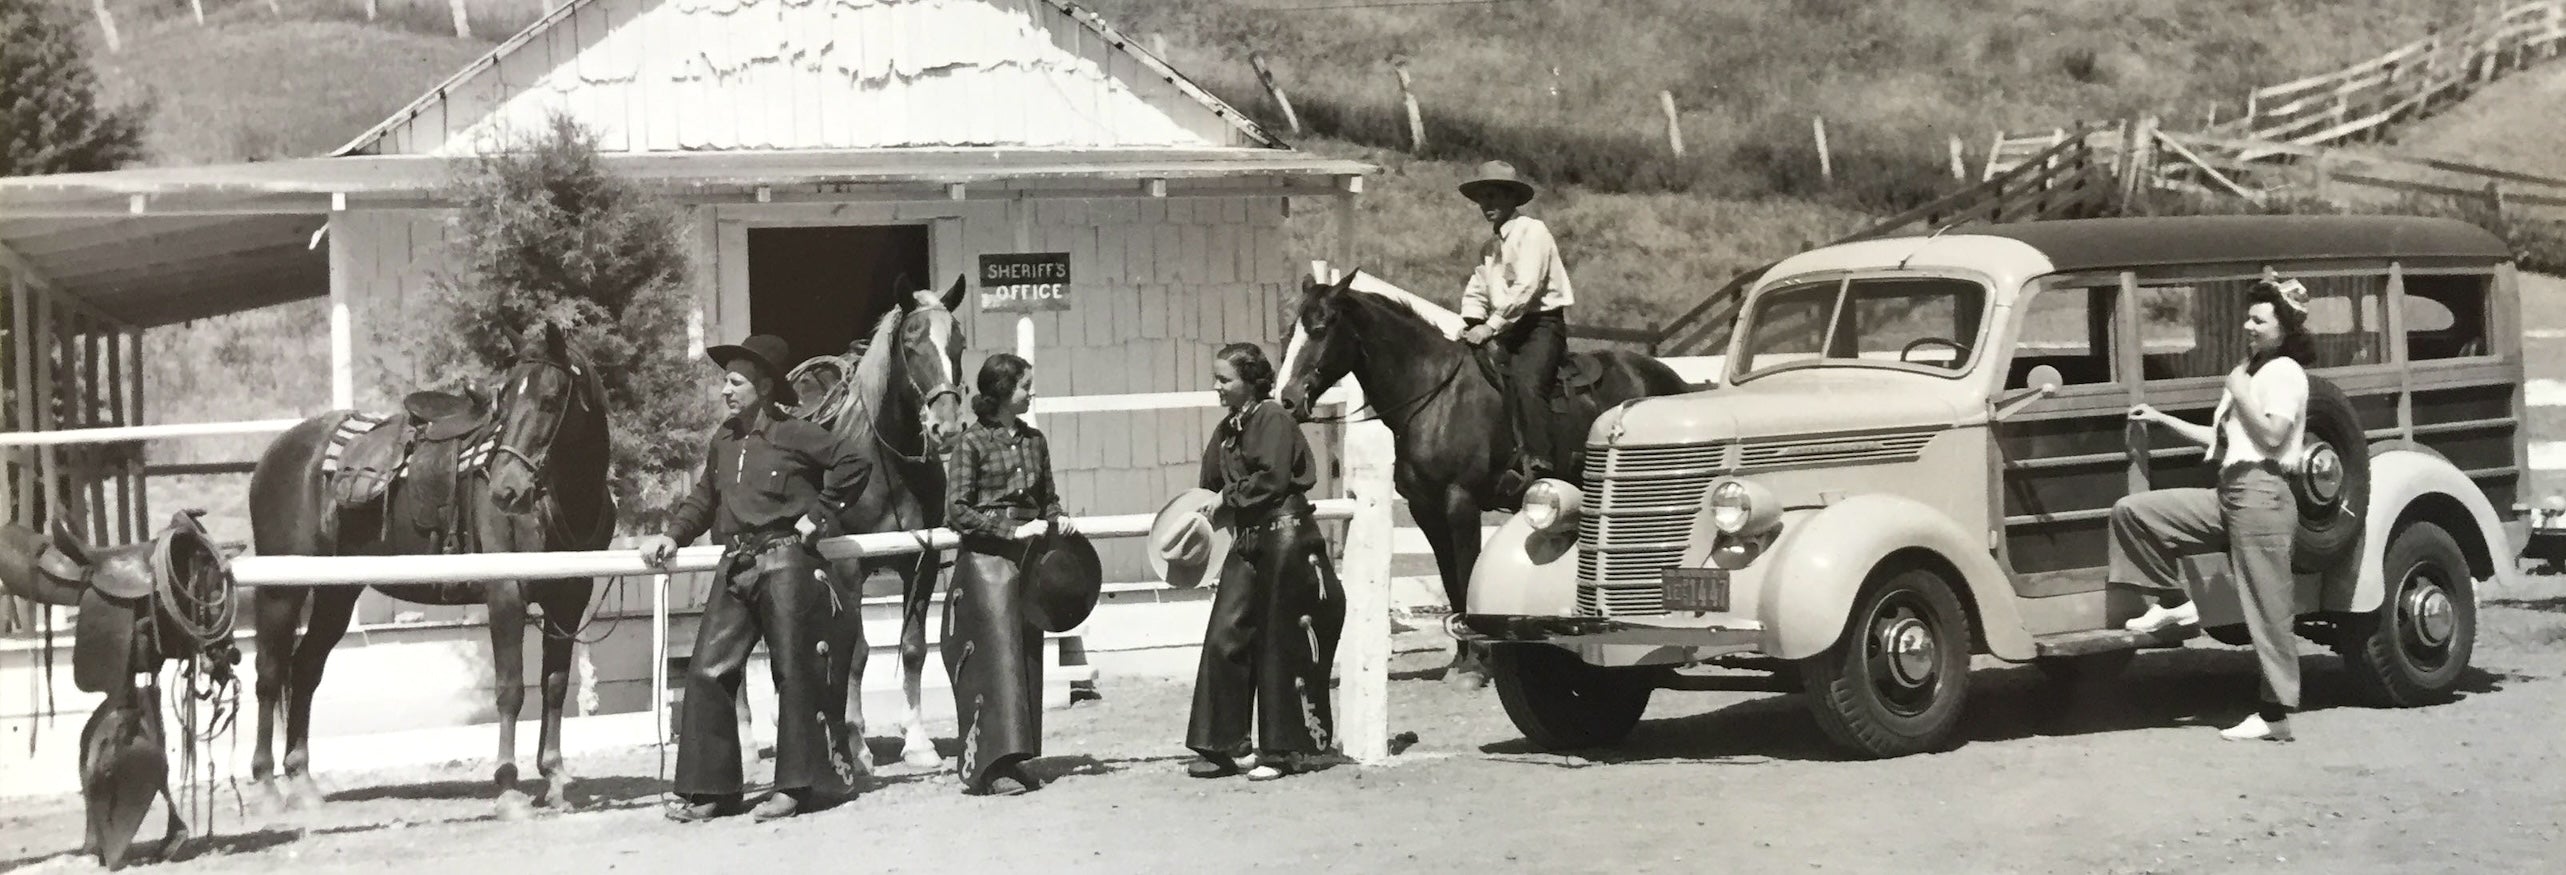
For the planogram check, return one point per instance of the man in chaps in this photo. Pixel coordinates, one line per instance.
(772, 485)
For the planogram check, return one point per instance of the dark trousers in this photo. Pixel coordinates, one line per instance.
(993, 651)
(1530, 351)
(783, 601)
(2254, 519)
(1270, 646)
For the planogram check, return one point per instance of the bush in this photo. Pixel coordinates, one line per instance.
(50, 117)
(545, 235)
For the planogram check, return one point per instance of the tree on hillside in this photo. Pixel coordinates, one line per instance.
(50, 117)
(545, 234)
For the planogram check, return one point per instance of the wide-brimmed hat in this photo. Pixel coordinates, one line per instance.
(1062, 579)
(1498, 175)
(767, 351)
(1186, 547)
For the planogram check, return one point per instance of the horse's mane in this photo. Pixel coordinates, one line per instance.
(1435, 315)
(868, 386)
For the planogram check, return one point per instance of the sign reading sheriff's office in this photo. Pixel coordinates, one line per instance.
(1023, 282)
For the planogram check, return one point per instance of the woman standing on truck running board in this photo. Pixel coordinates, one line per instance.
(2255, 437)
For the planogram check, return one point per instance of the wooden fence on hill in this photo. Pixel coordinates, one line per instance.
(2358, 102)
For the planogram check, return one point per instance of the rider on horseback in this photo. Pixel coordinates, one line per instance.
(1518, 297)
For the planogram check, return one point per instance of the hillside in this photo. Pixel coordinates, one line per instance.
(1645, 232)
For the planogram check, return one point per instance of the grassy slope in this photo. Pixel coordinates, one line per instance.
(1644, 233)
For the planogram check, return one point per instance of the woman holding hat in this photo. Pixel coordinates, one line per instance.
(771, 484)
(1518, 298)
(1271, 641)
(999, 483)
(2256, 437)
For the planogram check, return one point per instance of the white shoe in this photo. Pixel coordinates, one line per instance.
(2160, 618)
(2255, 729)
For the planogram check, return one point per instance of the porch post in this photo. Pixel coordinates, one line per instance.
(342, 327)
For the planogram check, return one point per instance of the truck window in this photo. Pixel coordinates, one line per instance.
(2064, 327)
(1927, 322)
(2445, 317)
(2198, 330)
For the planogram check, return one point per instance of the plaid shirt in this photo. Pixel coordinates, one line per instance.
(999, 476)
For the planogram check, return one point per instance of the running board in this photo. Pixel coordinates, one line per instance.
(2109, 640)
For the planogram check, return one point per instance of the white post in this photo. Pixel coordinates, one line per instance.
(1025, 349)
(659, 656)
(1363, 654)
(1020, 214)
(342, 328)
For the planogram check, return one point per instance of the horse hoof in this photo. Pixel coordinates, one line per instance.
(556, 793)
(922, 758)
(513, 805)
(1465, 679)
(304, 794)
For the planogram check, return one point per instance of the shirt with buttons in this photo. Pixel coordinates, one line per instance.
(761, 478)
(998, 477)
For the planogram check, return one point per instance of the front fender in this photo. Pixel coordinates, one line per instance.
(1822, 560)
(1525, 573)
(2398, 478)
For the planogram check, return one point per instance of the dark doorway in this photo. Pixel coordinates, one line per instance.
(821, 288)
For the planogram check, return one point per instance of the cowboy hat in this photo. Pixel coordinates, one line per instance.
(1062, 580)
(1500, 175)
(1185, 546)
(767, 351)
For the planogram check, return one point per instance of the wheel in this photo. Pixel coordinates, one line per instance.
(2072, 671)
(1562, 703)
(1894, 681)
(2333, 480)
(2412, 650)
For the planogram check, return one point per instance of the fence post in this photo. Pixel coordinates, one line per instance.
(371, 9)
(1408, 99)
(1959, 165)
(2495, 199)
(1674, 131)
(107, 25)
(1158, 45)
(462, 19)
(1264, 76)
(1363, 653)
(1826, 162)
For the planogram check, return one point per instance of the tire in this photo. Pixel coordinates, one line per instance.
(2414, 648)
(1561, 703)
(2333, 481)
(2091, 668)
(1895, 680)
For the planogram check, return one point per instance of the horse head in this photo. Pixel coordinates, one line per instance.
(551, 403)
(1322, 346)
(930, 362)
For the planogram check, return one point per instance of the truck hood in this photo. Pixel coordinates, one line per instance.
(1812, 401)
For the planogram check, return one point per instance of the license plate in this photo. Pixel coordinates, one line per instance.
(1696, 589)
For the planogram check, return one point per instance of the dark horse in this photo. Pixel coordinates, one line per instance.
(543, 488)
(901, 405)
(1448, 420)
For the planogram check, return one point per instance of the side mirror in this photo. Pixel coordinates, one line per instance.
(2044, 382)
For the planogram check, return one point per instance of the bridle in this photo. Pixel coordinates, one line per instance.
(571, 402)
(927, 397)
(1397, 412)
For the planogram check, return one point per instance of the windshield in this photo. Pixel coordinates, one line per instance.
(1910, 323)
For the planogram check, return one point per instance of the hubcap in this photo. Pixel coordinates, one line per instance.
(1913, 654)
(2428, 611)
(2321, 472)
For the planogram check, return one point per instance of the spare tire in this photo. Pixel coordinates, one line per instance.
(2332, 480)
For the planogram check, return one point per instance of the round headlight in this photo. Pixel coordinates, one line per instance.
(1731, 506)
(1551, 505)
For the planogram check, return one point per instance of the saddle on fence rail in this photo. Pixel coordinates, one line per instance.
(169, 598)
(409, 465)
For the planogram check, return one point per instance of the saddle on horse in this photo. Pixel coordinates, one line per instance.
(1570, 412)
(412, 468)
(139, 604)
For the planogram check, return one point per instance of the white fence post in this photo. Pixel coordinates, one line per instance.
(1363, 653)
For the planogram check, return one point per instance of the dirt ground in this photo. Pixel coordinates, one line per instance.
(2129, 777)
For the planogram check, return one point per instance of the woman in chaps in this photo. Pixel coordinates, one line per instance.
(1000, 485)
(1271, 641)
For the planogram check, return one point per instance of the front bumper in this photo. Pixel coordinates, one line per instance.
(1735, 636)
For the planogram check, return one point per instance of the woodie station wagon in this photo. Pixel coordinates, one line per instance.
(1915, 450)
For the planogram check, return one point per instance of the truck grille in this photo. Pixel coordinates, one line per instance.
(1833, 450)
(1639, 511)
